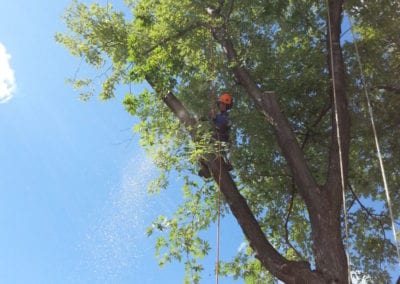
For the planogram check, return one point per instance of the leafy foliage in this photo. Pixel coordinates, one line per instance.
(283, 43)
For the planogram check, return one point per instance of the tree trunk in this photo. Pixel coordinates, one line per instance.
(271, 259)
(330, 257)
(323, 202)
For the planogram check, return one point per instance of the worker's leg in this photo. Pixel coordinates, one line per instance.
(204, 171)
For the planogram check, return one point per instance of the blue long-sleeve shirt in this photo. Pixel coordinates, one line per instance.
(222, 125)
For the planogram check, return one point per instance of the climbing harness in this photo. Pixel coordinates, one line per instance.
(377, 145)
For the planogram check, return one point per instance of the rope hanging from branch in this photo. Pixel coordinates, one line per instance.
(346, 224)
(377, 144)
(213, 101)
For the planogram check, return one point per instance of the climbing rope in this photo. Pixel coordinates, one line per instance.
(213, 102)
(218, 220)
(213, 94)
(346, 223)
(377, 145)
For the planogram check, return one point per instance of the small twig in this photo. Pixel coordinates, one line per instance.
(178, 35)
(316, 122)
(370, 214)
(287, 222)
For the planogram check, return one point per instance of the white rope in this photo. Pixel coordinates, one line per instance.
(346, 223)
(378, 150)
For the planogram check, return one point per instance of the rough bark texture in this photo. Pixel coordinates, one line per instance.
(288, 271)
(323, 202)
(331, 259)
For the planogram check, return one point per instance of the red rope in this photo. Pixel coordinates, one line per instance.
(213, 101)
(218, 220)
(218, 201)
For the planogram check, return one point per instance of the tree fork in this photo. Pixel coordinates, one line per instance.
(327, 224)
(323, 202)
(271, 259)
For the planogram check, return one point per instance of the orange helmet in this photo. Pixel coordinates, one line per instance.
(226, 99)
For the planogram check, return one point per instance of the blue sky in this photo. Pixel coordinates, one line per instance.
(73, 202)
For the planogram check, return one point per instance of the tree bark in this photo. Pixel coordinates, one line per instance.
(323, 202)
(269, 106)
(271, 259)
(331, 259)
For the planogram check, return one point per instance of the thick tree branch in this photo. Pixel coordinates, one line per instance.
(340, 114)
(288, 271)
(323, 205)
(181, 113)
(289, 212)
(268, 104)
(326, 223)
(390, 88)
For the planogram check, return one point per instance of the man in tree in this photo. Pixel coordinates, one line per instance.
(222, 126)
(296, 155)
